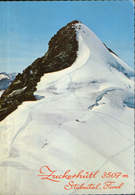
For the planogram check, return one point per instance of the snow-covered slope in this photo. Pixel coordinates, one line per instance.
(83, 120)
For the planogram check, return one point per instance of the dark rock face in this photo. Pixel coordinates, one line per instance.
(61, 54)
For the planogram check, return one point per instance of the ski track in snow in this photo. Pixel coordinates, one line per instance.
(113, 126)
(28, 120)
(112, 117)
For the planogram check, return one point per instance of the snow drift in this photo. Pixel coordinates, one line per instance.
(82, 120)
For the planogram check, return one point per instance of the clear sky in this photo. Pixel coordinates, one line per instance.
(26, 28)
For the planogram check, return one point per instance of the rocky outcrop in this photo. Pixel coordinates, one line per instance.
(61, 54)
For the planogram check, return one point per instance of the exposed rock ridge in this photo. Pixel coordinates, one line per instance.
(61, 54)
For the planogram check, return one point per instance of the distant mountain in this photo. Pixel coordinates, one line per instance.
(6, 79)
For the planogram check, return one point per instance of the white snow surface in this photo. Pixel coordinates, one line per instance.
(79, 122)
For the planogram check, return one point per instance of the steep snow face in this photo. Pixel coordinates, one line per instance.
(83, 120)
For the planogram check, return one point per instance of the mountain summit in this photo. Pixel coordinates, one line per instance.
(62, 53)
(82, 120)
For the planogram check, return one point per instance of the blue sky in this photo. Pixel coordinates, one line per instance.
(26, 28)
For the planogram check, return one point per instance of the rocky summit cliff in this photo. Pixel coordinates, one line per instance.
(61, 54)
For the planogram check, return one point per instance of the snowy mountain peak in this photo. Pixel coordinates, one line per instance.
(76, 53)
(82, 119)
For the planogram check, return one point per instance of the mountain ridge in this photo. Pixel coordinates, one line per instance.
(61, 54)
